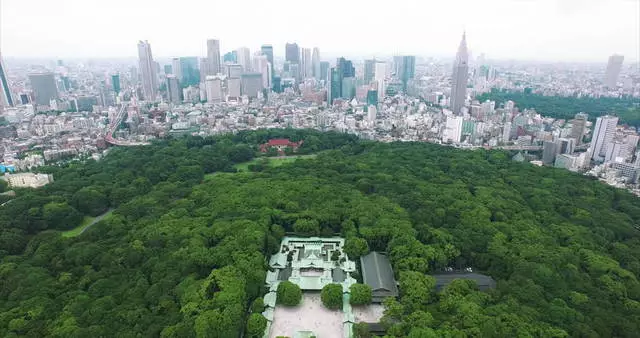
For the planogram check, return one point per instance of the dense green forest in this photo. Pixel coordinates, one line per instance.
(565, 107)
(183, 253)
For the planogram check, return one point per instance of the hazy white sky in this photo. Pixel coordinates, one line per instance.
(564, 30)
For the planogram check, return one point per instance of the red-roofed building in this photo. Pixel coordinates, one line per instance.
(280, 144)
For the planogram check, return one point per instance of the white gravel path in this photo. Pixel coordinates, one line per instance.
(310, 315)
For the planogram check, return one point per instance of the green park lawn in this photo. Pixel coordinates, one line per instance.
(77, 230)
(272, 161)
(86, 222)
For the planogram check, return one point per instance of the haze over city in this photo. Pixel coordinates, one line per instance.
(550, 30)
(320, 169)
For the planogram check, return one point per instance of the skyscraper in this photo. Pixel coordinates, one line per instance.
(115, 83)
(262, 65)
(44, 87)
(307, 67)
(549, 152)
(204, 69)
(379, 75)
(189, 69)
(346, 67)
(292, 53)
(369, 70)
(231, 57)
(603, 134)
(251, 84)
(348, 88)
(176, 69)
(213, 56)
(315, 63)
(244, 58)
(578, 125)
(5, 98)
(341, 80)
(295, 71)
(173, 89)
(268, 51)
(324, 70)
(459, 77)
(405, 68)
(613, 70)
(234, 87)
(148, 70)
(214, 89)
(372, 97)
(233, 70)
(335, 85)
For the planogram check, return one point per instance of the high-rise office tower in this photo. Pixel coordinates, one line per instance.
(276, 84)
(44, 87)
(379, 75)
(602, 135)
(335, 85)
(251, 84)
(115, 83)
(295, 71)
(213, 56)
(292, 53)
(268, 51)
(369, 70)
(578, 125)
(176, 68)
(233, 70)
(214, 89)
(231, 56)
(189, 69)
(168, 69)
(460, 77)
(397, 66)
(262, 65)
(348, 88)
(204, 69)
(315, 63)
(244, 58)
(173, 89)
(341, 80)
(613, 70)
(549, 152)
(5, 99)
(324, 70)
(148, 71)
(234, 87)
(372, 97)
(346, 67)
(405, 68)
(307, 67)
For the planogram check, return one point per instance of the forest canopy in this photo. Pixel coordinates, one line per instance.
(565, 107)
(184, 252)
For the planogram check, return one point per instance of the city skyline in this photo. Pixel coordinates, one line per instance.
(572, 31)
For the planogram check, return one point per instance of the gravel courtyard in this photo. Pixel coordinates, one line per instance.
(369, 313)
(310, 315)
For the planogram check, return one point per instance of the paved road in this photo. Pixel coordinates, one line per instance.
(96, 220)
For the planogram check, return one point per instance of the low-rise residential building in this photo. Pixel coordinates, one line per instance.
(28, 180)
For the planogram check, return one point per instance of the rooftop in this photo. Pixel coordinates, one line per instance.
(377, 273)
(484, 282)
